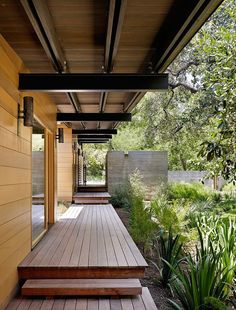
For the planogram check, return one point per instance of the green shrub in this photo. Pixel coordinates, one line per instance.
(168, 250)
(122, 197)
(170, 214)
(142, 228)
(212, 303)
(193, 192)
(230, 188)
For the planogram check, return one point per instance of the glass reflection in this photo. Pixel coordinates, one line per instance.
(38, 181)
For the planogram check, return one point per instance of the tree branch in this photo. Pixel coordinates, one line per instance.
(185, 67)
(187, 86)
(167, 104)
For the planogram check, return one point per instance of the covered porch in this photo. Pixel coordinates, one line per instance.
(83, 66)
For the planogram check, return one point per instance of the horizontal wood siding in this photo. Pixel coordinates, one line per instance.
(15, 169)
(65, 166)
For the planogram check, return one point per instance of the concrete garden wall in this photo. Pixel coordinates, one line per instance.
(152, 165)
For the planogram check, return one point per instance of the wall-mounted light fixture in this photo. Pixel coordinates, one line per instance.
(60, 135)
(28, 112)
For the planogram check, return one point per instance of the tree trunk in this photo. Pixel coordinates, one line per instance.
(183, 162)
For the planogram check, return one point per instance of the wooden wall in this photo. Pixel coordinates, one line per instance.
(65, 166)
(15, 170)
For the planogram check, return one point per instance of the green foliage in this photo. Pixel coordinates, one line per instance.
(220, 80)
(220, 234)
(212, 303)
(141, 228)
(206, 280)
(95, 157)
(230, 188)
(122, 197)
(193, 192)
(128, 140)
(202, 278)
(170, 214)
(168, 251)
(195, 120)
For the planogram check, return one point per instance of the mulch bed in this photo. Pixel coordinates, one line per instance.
(159, 294)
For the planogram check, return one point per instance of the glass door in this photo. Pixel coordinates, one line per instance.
(39, 220)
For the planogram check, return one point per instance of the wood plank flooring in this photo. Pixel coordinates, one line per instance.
(89, 241)
(140, 302)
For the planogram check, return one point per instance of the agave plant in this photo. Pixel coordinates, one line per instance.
(169, 249)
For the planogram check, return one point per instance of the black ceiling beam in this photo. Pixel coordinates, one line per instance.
(93, 142)
(93, 117)
(41, 20)
(114, 26)
(74, 82)
(94, 131)
(81, 136)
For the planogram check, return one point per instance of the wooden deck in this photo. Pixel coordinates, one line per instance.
(140, 302)
(89, 241)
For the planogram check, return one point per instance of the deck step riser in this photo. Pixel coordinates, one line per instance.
(80, 273)
(74, 287)
(82, 201)
(92, 189)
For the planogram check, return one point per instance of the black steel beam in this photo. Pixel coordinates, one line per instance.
(93, 117)
(74, 82)
(87, 139)
(94, 131)
(93, 142)
(81, 136)
(42, 23)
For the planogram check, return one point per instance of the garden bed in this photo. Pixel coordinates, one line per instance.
(159, 294)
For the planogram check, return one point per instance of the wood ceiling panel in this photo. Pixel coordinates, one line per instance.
(85, 98)
(17, 30)
(81, 29)
(90, 108)
(142, 21)
(113, 108)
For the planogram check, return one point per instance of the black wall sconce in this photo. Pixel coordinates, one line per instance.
(60, 135)
(28, 113)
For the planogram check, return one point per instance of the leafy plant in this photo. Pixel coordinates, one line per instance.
(122, 197)
(141, 227)
(220, 234)
(193, 192)
(168, 250)
(170, 214)
(204, 277)
(212, 303)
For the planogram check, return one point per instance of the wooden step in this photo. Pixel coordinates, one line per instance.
(83, 287)
(92, 188)
(90, 202)
(91, 198)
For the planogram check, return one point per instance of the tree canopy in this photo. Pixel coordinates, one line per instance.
(195, 120)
